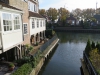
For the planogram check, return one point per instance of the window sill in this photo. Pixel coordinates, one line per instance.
(26, 34)
(10, 32)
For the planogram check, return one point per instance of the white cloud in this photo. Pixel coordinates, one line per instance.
(41, 1)
(73, 4)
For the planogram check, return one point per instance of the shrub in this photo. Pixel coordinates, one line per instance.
(23, 70)
(30, 48)
(49, 33)
(88, 47)
(93, 45)
(11, 65)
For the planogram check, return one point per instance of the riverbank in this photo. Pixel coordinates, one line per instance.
(44, 55)
(77, 29)
(84, 69)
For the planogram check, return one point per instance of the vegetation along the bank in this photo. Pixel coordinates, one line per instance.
(93, 52)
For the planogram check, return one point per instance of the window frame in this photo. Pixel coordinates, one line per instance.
(7, 17)
(17, 20)
(37, 23)
(41, 23)
(33, 23)
(26, 28)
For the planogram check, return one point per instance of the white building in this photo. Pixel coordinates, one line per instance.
(37, 22)
(10, 28)
(20, 24)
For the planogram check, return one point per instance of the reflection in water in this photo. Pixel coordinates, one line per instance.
(66, 59)
(78, 37)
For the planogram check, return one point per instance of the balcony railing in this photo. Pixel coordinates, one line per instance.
(44, 46)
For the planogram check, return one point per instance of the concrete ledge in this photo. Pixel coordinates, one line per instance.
(36, 70)
(85, 71)
(38, 67)
(49, 49)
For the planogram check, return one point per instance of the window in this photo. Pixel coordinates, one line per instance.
(25, 29)
(41, 23)
(7, 22)
(31, 6)
(25, 0)
(37, 23)
(34, 8)
(16, 22)
(33, 25)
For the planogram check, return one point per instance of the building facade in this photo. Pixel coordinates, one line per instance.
(36, 21)
(21, 24)
(11, 35)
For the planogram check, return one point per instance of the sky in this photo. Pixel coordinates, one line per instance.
(69, 4)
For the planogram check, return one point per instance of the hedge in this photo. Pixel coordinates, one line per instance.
(25, 69)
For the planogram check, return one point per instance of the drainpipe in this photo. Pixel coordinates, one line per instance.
(1, 30)
(22, 27)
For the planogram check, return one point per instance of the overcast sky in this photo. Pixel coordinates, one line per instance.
(68, 4)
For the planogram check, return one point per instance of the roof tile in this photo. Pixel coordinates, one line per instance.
(8, 6)
(32, 14)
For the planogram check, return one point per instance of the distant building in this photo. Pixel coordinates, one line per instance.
(48, 19)
(97, 17)
(71, 20)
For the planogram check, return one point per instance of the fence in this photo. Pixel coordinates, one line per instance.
(89, 65)
(45, 45)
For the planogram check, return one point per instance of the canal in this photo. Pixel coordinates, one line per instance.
(65, 60)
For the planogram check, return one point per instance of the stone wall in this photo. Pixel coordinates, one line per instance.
(38, 67)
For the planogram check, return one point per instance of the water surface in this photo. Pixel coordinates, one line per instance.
(66, 58)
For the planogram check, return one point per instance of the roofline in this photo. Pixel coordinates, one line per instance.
(37, 18)
(9, 9)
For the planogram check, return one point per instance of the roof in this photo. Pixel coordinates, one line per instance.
(97, 17)
(32, 14)
(8, 6)
(71, 18)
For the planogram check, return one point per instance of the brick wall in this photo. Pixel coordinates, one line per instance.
(24, 7)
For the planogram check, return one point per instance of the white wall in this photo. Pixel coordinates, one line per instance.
(0, 40)
(11, 39)
(37, 30)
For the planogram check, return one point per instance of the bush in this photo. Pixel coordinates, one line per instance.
(23, 70)
(30, 48)
(25, 59)
(49, 33)
(11, 65)
(93, 45)
(88, 47)
(86, 24)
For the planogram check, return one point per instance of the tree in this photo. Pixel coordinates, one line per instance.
(52, 13)
(88, 13)
(98, 11)
(88, 47)
(77, 13)
(42, 11)
(63, 14)
(95, 59)
(93, 45)
(98, 46)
